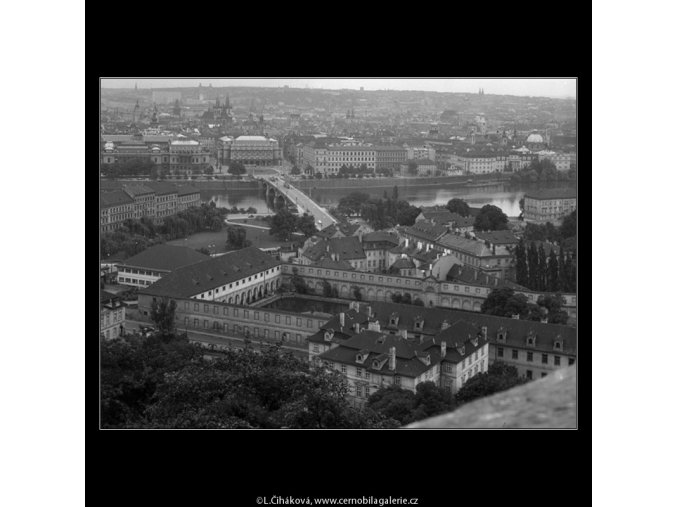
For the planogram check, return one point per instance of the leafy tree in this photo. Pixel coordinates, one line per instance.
(283, 225)
(503, 302)
(568, 227)
(352, 203)
(491, 218)
(542, 268)
(458, 206)
(163, 314)
(553, 272)
(237, 168)
(553, 304)
(357, 293)
(295, 170)
(396, 193)
(394, 402)
(209, 170)
(521, 271)
(412, 167)
(532, 263)
(327, 290)
(203, 250)
(306, 225)
(237, 238)
(432, 400)
(499, 377)
(418, 302)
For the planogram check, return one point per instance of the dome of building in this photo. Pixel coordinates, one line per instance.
(535, 138)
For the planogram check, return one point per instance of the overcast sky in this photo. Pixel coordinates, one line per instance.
(532, 87)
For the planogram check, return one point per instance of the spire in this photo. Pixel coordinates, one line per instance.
(227, 101)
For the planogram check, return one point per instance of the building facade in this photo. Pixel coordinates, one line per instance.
(250, 150)
(187, 156)
(147, 267)
(550, 205)
(115, 208)
(112, 316)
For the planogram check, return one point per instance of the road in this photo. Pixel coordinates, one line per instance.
(303, 202)
(235, 342)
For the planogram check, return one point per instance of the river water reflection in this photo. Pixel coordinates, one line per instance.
(504, 195)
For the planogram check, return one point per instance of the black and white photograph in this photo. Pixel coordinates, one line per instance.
(294, 253)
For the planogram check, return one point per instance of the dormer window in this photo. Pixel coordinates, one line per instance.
(530, 341)
(558, 345)
(501, 336)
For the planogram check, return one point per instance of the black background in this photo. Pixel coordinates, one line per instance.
(440, 467)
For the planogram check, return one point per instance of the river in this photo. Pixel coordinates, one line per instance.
(504, 195)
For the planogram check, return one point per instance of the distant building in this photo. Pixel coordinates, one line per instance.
(549, 205)
(389, 157)
(165, 97)
(151, 199)
(239, 277)
(153, 263)
(491, 259)
(187, 157)
(249, 150)
(378, 345)
(112, 316)
(116, 207)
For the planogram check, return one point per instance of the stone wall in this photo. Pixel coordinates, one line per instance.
(549, 402)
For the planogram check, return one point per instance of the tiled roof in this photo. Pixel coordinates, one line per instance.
(187, 189)
(379, 236)
(207, 275)
(425, 230)
(114, 198)
(471, 246)
(551, 193)
(459, 221)
(347, 248)
(166, 257)
(403, 263)
(134, 189)
(517, 329)
(439, 216)
(498, 237)
(162, 187)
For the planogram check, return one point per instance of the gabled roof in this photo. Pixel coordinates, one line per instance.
(379, 236)
(114, 198)
(197, 278)
(187, 190)
(498, 237)
(166, 258)
(162, 187)
(473, 247)
(425, 229)
(134, 189)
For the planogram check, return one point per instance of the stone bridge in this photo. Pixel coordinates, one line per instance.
(280, 191)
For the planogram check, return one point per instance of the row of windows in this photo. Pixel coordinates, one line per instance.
(255, 314)
(134, 281)
(238, 329)
(500, 352)
(139, 272)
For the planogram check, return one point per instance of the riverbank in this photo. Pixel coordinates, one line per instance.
(389, 182)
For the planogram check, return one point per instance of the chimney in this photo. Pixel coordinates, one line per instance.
(342, 319)
(484, 332)
(391, 359)
(403, 333)
(370, 312)
(445, 324)
(406, 242)
(357, 327)
(475, 275)
(444, 349)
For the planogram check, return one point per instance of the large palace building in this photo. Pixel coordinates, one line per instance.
(249, 150)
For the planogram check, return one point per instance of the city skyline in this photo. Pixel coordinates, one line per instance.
(525, 87)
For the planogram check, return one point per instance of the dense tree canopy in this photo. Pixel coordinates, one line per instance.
(237, 238)
(405, 406)
(236, 168)
(459, 206)
(491, 218)
(284, 224)
(499, 377)
(167, 383)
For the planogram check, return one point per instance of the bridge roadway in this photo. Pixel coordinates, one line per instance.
(304, 203)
